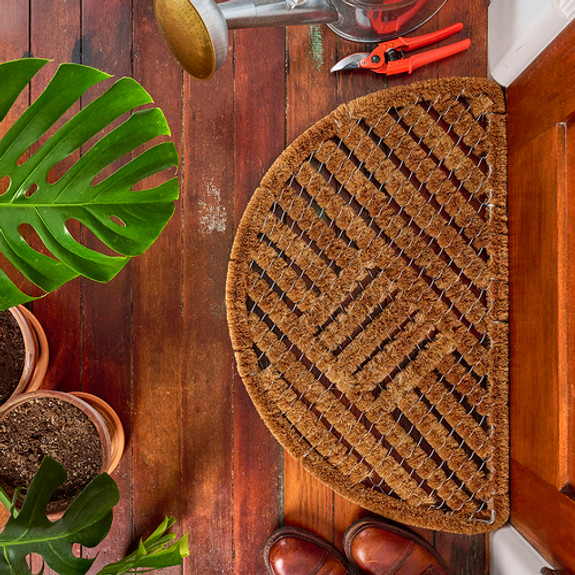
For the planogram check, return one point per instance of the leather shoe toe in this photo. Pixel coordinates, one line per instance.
(292, 551)
(378, 548)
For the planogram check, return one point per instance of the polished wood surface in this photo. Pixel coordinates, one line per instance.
(541, 104)
(153, 342)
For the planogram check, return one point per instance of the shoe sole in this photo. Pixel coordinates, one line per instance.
(306, 536)
(380, 524)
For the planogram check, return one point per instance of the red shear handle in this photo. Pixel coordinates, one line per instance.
(433, 55)
(428, 39)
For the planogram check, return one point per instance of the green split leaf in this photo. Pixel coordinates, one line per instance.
(86, 521)
(126, 221)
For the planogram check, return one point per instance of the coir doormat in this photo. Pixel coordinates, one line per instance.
(368, 307)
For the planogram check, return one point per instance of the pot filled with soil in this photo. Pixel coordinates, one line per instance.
(23, 353)
(78, 430)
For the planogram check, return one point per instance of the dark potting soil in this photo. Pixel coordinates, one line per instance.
(48, 426)
(12, 354)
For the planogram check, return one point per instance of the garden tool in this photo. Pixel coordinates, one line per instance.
(196, 31)
(389, 58)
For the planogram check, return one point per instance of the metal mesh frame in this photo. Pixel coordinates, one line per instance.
(373, 309)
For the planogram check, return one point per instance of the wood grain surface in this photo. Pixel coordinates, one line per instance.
(153, 342)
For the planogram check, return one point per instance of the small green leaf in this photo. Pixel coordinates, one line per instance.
(158, 551)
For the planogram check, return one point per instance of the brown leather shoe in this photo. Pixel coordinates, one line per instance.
(378, 548)
(292, 551)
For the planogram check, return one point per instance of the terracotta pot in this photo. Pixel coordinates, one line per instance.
(37, 352)
(104, 418)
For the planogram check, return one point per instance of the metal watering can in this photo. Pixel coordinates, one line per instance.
(196, 31)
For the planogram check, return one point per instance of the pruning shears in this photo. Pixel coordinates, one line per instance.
(389, 58)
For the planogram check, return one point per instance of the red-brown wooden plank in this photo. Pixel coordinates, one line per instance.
(308, 503)
(354, 85)
(351, 85)
(429, 72)
(55, 34)
(14, 43)
(157, 318)
(311, 91)
(345, 514)
(106, 308)
(208, 204)
(259, 105)
(311, 94)
(14, 30)
(472, 62)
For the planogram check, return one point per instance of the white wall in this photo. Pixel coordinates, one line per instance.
(510, 554)
(519, 30)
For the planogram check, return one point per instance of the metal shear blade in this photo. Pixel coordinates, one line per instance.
(350, 62)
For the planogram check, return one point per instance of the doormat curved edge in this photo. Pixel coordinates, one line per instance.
(236, 293)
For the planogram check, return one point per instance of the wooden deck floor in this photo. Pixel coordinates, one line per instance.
(154, 341)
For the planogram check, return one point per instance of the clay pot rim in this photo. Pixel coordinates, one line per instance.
(31, 350)
(37, 351)
(41, 366)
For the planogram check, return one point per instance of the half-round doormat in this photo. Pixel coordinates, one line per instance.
(368, 308)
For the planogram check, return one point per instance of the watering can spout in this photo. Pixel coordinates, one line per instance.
(257, 13)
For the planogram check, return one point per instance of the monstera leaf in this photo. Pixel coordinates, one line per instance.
(86, 521)
(125, 220)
